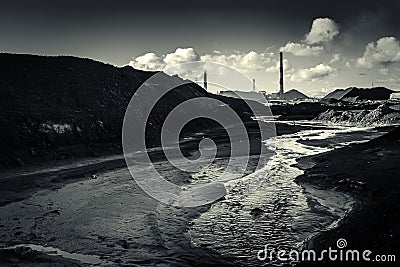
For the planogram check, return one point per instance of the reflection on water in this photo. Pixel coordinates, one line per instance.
(113, 218)
(89, 259)
(281, 213)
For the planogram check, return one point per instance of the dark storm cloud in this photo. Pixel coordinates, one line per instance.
(80, 11)
(94, 28)
(307, 8)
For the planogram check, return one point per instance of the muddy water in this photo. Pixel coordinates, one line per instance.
(281, 214)
(112, 219)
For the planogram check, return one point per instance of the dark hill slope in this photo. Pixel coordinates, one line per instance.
(294, 94)
(50, 105)
(354, 93)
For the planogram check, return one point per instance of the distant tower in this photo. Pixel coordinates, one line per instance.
(281, 75)
(254, 85)
(205, 79)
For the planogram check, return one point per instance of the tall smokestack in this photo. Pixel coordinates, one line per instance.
(254, 85)
(281, 76)
(205, 79)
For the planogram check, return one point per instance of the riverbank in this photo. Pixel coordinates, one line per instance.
(111, 219)
(369, 172)
(20, 183)
(60, 206)
(108, 221)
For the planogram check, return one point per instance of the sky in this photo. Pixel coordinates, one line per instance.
(326, 44)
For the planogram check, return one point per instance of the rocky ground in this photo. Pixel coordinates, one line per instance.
(66, 107)
(368, 171)
(385, 114)
(40, 207)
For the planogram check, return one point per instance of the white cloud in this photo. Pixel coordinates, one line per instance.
(286, 67)
(152, 61)
(384, 52)
(335, 58)
(181, 55)
(312, 74)
(322, 30)
(251, 61)
(299, 49)
(148, 61)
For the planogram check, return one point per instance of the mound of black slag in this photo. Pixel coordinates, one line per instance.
(354, 93)
(294, 95)
(384, 114)
(63, 107)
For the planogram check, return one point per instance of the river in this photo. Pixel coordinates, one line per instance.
(110, 220)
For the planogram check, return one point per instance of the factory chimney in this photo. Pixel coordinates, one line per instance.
(205, 79)
(281, 76)
(254, 85)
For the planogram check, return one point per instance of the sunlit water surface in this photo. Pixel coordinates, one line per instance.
(286, 213)
(113, 218)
